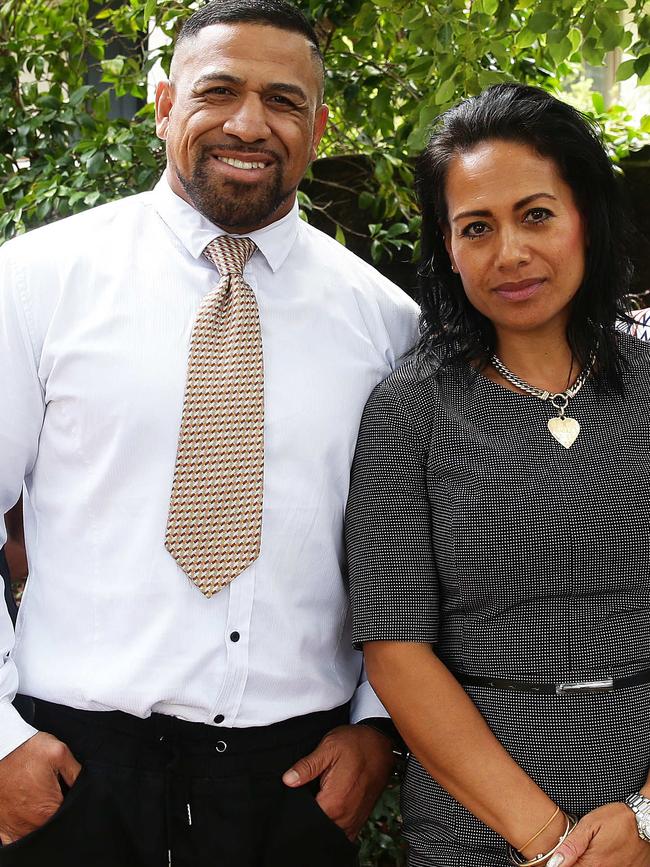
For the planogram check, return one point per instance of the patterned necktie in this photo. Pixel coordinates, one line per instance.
(215, 512)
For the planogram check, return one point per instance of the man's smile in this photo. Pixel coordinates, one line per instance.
(241, 164)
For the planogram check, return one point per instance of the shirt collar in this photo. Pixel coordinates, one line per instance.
(194, 231)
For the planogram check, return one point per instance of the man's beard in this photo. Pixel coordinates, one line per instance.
(233, 205)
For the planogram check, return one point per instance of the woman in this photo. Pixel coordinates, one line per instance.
(499, 515)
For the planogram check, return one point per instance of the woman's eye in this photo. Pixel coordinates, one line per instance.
(537, 215)
(475, 230)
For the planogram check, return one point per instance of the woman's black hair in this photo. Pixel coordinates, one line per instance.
(455, 332)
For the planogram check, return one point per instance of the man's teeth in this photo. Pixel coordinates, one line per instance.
(239, 164)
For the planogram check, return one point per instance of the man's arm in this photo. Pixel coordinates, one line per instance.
(31, 762)
(353, 762)
(21, 410)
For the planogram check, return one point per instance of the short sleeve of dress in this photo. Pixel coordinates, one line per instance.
(392, 573)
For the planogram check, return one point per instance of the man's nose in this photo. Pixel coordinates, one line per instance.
(247, 120)
(513, 250)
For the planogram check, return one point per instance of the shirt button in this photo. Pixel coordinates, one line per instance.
(219, 718)
(234, 636)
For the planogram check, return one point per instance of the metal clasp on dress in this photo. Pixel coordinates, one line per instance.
(604, 685)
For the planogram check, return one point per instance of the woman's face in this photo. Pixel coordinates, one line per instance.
(515, 236)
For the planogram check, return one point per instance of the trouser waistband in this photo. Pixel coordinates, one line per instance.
(159, 727)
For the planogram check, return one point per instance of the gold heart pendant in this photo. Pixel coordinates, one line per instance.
(565, 430)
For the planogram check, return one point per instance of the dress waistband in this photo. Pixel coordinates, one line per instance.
(605, 684)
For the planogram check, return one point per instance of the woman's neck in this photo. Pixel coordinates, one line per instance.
(543, 361)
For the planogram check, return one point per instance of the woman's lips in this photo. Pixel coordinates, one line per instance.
(520, 291)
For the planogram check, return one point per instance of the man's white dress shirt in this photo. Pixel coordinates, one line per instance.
(96, 313)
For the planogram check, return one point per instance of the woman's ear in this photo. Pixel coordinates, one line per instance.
(446, 234)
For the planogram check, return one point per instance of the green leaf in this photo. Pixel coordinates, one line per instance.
(525, 38)
(592, 53)
(304, 201)
(641, 65)
(561, 51)
(487, 77)
(149, 10)
(613, 37)
(120, 152)
(625, 70)
(445, 92)
(490, 6)
(554, 37)
(340, 235)
(95, 164)
(598, 102)
(575, 37)
(114, 66)
(396, 229)
(644, 28)
(541, 22)
(383, 171)
(366, 199)
(79, 94)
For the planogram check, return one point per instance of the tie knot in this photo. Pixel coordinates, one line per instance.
(230, 254)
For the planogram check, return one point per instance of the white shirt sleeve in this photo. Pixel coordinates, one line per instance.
(365, 703)
(21, 412)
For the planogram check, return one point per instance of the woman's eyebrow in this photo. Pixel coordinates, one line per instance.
(521, 203)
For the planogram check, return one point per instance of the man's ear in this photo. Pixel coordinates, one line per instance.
(164, 102)
(320, 122)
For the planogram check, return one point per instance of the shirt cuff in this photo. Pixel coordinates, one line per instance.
(365, 704)
(15, 731)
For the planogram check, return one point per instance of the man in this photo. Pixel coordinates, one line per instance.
(185, 452)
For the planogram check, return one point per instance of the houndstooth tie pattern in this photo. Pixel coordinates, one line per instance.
(215, 512)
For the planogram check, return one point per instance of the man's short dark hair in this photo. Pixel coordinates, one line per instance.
(273, 13)
(452, 328)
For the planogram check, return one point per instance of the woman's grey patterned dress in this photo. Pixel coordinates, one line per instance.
(471, 528)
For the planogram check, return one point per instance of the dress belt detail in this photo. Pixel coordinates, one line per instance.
(605, 684)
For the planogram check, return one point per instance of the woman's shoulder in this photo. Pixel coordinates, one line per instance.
(413, 384)
(403, 406)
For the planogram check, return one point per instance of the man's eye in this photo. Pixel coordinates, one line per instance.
(277, 99)
(475, 230)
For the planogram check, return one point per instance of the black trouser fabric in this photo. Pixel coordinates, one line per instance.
(162, 791)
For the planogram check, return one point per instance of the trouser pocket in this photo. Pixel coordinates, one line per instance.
(82, 831)
(306, 837)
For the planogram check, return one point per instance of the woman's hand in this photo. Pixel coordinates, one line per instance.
(606, 837)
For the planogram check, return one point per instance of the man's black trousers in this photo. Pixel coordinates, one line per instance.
(161, 791)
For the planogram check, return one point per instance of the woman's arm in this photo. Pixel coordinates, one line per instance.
(448, 735)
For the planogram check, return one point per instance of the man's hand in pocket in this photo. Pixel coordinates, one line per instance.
(30, 790)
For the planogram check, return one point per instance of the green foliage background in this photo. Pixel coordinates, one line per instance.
(393, 65)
